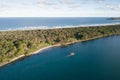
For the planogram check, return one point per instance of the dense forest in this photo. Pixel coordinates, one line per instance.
(16, 43)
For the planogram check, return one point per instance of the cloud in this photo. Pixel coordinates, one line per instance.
(46, 2)
(60, 3)
(101, 1)
(3, 6)
(71, 4)
(57, 7)
(67, 1)
(110, 7)
(113, 7)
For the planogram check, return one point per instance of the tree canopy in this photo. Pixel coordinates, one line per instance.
(15, 43)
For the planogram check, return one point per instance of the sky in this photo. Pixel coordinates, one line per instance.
(59, 8)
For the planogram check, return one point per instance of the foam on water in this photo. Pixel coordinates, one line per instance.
(57, 27)
(8, 24)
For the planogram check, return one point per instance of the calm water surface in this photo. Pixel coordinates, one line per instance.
(94, 60)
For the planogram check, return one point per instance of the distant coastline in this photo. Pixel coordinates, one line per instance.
(114, 18)
(112, 30)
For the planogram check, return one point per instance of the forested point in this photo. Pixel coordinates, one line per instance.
(16, 43)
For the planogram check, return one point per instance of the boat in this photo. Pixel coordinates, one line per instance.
(72, 54)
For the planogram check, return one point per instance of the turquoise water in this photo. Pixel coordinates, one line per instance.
(94, 60)
(43, 23)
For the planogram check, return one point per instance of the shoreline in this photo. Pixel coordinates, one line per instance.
(62, 27)
(32, 53)
(51, 46)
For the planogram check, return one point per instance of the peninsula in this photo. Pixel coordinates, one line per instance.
(17, 44)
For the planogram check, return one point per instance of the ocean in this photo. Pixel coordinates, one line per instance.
(48, 23)
(93, 60)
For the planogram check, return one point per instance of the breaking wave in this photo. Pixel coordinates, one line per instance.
(55, 27)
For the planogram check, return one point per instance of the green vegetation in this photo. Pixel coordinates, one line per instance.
(16, 43)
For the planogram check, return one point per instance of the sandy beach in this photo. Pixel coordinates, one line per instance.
(32, 53)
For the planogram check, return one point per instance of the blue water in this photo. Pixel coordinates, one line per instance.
(94, 60)
(43, 23)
